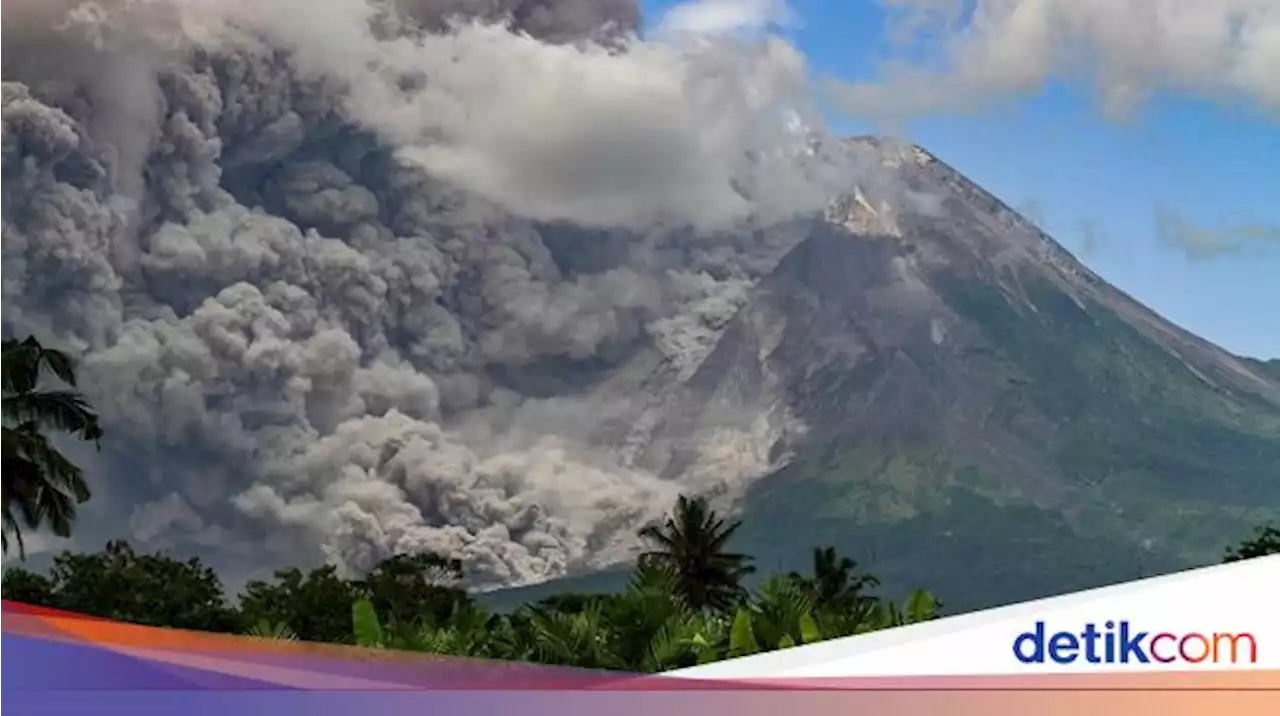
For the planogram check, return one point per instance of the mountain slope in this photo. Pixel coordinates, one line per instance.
(980, 402)
(954, 397)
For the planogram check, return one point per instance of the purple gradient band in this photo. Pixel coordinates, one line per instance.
(63, 664)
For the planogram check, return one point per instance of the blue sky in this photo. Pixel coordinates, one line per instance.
(1214, 164)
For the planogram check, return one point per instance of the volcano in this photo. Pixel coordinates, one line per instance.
(325, 319)
(957, 402)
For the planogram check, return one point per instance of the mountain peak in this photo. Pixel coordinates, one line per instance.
(895, 149)
(928, 361)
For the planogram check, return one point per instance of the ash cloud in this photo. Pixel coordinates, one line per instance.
(345, 286)
(541, 128)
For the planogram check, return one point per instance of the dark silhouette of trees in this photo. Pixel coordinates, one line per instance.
(1265, 541)
(686, 603)
(41, 486)
(691, 546)
(315, 606)
(835, 581)
(117, 583)
(28, 588)
(406, 588)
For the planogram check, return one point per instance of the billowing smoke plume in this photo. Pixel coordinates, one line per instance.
(344, 274)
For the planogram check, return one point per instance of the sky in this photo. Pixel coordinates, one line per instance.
(1174, 199)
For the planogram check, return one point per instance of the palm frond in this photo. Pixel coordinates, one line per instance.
(11, 525)
(20, 365)
(266, 629)
(54, 410)
(25, 361)
(26, 443)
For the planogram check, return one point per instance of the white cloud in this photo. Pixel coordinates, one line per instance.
(724, 17)
(1127, 49)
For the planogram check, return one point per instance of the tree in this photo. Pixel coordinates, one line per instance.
(649, 627)
(1265, 541)
(691, 546)
(315, 606)
(116, 583)
(582, 639)
(411, 588)
(650, 624)
(40, 485)
(835, 583)
(780, 615)
(19, 585)
(469, 631)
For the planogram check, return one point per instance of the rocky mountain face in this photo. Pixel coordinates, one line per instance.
(957, 402)
(988, 416)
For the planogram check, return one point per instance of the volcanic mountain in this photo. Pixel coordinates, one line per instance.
(957, 402)
(324, 319)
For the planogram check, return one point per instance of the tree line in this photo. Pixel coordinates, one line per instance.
(687, 602)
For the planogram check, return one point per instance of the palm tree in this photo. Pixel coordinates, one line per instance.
(40, 485)
(267, 629)
(835, 582)
(691, 546)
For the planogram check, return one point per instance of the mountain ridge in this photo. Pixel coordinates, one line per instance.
(946, 369)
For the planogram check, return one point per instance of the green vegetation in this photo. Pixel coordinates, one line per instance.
(976, 551)
(690, 547)
(685, 603)
(415, 602)
(1146, 420)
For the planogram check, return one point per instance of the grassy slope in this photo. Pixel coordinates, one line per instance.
(1166, 471)
(1134, 420)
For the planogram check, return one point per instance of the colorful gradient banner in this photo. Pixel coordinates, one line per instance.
(59, 663)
